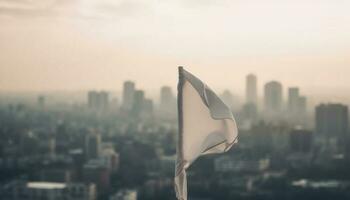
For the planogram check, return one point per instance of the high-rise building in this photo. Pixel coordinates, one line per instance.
(251, 89)
(167, 101)
(332, 120)
(128, 95)
(273, 97)
(293, 99)
(138, 104)
(332, 125)
(296, 107)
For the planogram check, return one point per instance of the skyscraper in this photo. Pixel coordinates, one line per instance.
(332, 120)
(128, 95)
(167, 100)
(251, 89)
(273, 97)
(293, 99)
(138, 102)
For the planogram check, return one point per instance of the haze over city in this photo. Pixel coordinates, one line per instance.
(81, 45)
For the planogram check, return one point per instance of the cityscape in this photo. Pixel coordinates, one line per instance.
(123, 147)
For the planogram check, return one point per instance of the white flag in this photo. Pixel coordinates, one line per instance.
(206, 125)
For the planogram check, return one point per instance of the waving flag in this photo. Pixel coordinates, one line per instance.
(206, 125)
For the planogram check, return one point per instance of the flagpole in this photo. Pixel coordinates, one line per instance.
(179, 109)
(180, 173)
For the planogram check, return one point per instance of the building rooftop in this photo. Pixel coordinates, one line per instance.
(46, 185)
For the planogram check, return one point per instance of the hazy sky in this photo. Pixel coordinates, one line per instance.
(97, 44)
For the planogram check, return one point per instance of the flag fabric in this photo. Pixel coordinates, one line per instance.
(206, 125)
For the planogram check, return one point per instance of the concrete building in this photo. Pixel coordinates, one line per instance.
(273, 97)
(251, 89)
(128, 95)
(167, 105)
(332, 124)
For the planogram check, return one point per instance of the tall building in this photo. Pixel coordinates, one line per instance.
(296, 107)
(138, 102)
(251, 89)
(128, 95)
(273, 97)
(293, 99)
(332, 119)
(332, 124)
(167, 100)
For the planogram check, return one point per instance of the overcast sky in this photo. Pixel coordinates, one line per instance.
(97, 44)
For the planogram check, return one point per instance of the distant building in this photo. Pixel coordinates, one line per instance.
(297, 107)
(293, 99)
(273, 97)
(128, 95)
(21, 190)
(251, 89)
(148, 106)
(332, 122)
(138, 104)
(228, 164)
(167, 104)
(300, 140)
(332, 119)
(98, 100)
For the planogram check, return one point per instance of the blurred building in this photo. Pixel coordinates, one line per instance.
(251, 89)
(98, 100)
(332, 122)
(273, 97)
(167, 104)
(128, 95)
(229, 164)
(293, 99)
(297, 107)
(21, 190)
